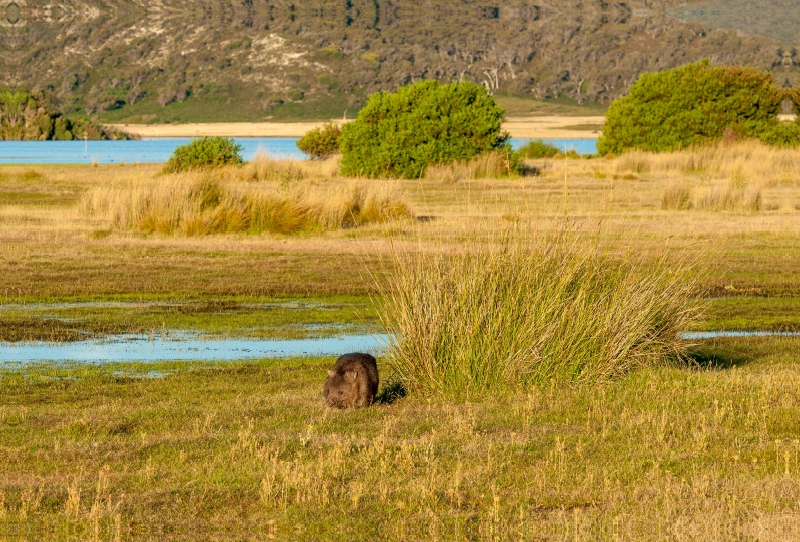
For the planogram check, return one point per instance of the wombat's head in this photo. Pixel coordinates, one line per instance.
(341, 390)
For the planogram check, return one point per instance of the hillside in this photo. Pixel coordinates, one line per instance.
(170, 60)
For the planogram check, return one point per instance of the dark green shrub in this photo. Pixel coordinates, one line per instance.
(687, 106)
(321, 142)
(204, 153)
(776, 133)
(538, 149)
(399, 134)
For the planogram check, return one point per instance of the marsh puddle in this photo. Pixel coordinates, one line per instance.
(146, 348)
(722, 334)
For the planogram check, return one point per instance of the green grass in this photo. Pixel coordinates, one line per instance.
(562, 106)
(257, 318)
(753, 313)
(211, 449)
(215, 103)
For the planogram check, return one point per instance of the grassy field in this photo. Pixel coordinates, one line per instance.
(705, 450)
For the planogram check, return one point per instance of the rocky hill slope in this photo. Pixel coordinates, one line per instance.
(173, 60)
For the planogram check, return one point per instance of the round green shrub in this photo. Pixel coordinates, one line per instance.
(399, 134)
(688, 106)
(538, 149)
(321, 142)
(204, 153)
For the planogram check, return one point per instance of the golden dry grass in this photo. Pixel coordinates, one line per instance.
(268, 196)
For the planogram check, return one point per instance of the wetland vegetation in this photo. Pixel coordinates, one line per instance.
(705, 448)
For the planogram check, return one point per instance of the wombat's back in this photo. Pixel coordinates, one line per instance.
(353, 381)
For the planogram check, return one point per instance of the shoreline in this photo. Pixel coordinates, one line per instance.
(546, 127)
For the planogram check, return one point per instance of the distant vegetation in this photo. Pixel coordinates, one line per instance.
(697, 104)
(400, 134)
(204, 153)
(25, 115)
(318, 59)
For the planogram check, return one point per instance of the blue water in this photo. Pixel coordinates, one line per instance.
(159, 150)
(143, 348)
(185, 347)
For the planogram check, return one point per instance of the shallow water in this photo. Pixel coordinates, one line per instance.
(159, 150)
(145, 348)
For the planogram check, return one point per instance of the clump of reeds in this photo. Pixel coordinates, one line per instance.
(522, 311)
(193, 205)
(490, 165)
(677, 197)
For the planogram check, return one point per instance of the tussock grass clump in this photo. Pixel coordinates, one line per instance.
(677, 197)
(737, 195)
(634, 161)
(519, 312)
(264, 167)
(501, 163)
(193, 205)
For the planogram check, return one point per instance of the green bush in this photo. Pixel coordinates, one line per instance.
(321, 142)
(204, 153)
(538, 149)
(399, 134)
(689, 105)
(776, 133)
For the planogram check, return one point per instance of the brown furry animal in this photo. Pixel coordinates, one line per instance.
(352, 383)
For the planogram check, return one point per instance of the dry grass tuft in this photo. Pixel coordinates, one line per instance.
(677, 197)
(490, 165)
(737, 195)
(209, 203)
(264, 167)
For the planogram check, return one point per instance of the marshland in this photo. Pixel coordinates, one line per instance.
(563, 404)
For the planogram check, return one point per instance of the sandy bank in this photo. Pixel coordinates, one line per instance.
(524, 127)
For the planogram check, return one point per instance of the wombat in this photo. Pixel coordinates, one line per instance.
(353, 381)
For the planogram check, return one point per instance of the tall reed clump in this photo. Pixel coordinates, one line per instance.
(517, 312)
(204, 204)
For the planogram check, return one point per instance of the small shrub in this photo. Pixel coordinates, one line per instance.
(537, 149)
(400, 134)
(690, 105)
(321, 142)
(204, 153)
(677, 197)
(518, 312)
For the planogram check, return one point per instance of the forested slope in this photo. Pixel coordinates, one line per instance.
(142, 60)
